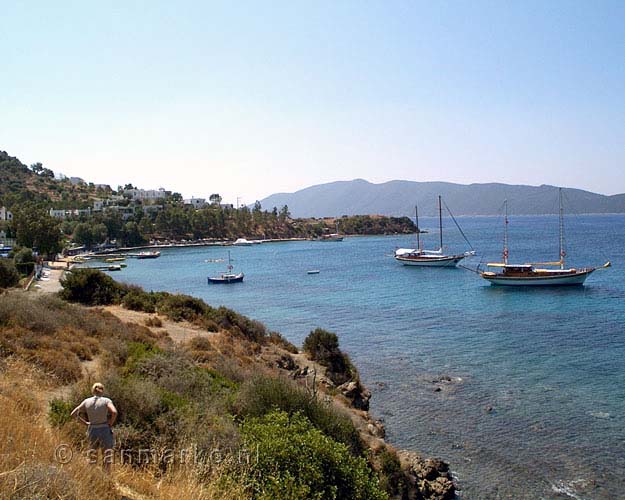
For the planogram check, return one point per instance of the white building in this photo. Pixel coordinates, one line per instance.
(196, 202)
(5, 214)
(146, 194)
(68, 214)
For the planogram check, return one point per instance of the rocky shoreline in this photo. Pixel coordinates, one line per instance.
(426, 477)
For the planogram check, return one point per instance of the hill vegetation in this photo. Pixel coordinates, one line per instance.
(30, 193)
(231, 390)
(398, 198)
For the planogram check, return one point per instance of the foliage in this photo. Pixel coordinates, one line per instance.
(59, 412)
(90, 287)
(392, 478)
(260, 395)
(296, 461)
(34, 228)
(323, 347)
(8, 274)
(136, 299)
(24, 261)
(89, 234)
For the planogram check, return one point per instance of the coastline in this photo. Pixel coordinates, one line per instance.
(429, 478)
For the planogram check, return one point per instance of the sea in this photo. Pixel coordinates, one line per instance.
(521, 390)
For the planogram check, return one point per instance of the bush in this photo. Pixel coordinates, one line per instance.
(63, 365)
(323, 347)
(24, 261)
(261, 395)
(8, 274)
(59, 412)
(295, 460)
(136, 299)
(392, 478)
(154, 321)
(90, 287)
(182, 307)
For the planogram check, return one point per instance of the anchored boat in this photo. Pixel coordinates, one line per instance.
(529, 274)
(430, 258)
(228, 276)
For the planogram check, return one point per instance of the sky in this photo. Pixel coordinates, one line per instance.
(247, 98)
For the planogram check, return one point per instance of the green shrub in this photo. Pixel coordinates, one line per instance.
(9, 276)
(24, 261)
(136, 299)
(181, 307)
(392, 478)
(296, 460)
(323, 347)
(230, 320)
(262, 395)
(90, 287)
(321, 344)
(59, 412)
(136, 353)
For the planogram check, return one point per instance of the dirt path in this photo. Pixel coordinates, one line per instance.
(179, 332)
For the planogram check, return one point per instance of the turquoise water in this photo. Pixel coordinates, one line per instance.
(536, 403)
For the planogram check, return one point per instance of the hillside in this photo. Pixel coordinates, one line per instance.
(260, 418)
(20, 183)
(399, 197)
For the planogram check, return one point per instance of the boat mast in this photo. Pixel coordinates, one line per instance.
(505, 233)
(440, 221)
(562, 251)
(416, 216)
(229, 262)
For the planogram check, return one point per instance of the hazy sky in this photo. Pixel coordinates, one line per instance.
(251, 98)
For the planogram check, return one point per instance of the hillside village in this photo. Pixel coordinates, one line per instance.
(56, 213)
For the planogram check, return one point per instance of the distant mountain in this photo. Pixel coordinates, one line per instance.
(398, 198)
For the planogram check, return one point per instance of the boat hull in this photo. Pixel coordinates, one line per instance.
(446, 261)
(225, 280)
(558, 280)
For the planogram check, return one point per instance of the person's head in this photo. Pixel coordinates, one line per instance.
(97, 389)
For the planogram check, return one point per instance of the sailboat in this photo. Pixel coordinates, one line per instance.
(228, 276)
(332, 236)
(528, 274)
(430, 258)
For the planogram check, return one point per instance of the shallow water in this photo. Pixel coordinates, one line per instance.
(536, 403)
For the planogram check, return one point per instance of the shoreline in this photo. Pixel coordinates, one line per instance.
(430, 477)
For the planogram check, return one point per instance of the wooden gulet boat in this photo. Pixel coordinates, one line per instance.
(528, 274)
(429, 258)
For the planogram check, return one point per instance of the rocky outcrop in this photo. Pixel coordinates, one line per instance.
(425, 478)
(356, 394)
(429, 476)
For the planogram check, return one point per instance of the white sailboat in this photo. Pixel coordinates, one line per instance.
(429, 258)
(528, 274)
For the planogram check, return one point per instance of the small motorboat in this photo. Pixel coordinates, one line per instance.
(313, 271)
(147, 255)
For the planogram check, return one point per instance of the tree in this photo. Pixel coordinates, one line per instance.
(35, 228)
(83, 235)
(8, 274)
(37, 168)
(24, 261)
(284, 213)
(215, 199)
(131, 236)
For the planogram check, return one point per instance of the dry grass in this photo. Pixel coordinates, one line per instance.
(30, 469)
(27, 446)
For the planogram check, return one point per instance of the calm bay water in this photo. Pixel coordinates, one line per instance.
(536, 405)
